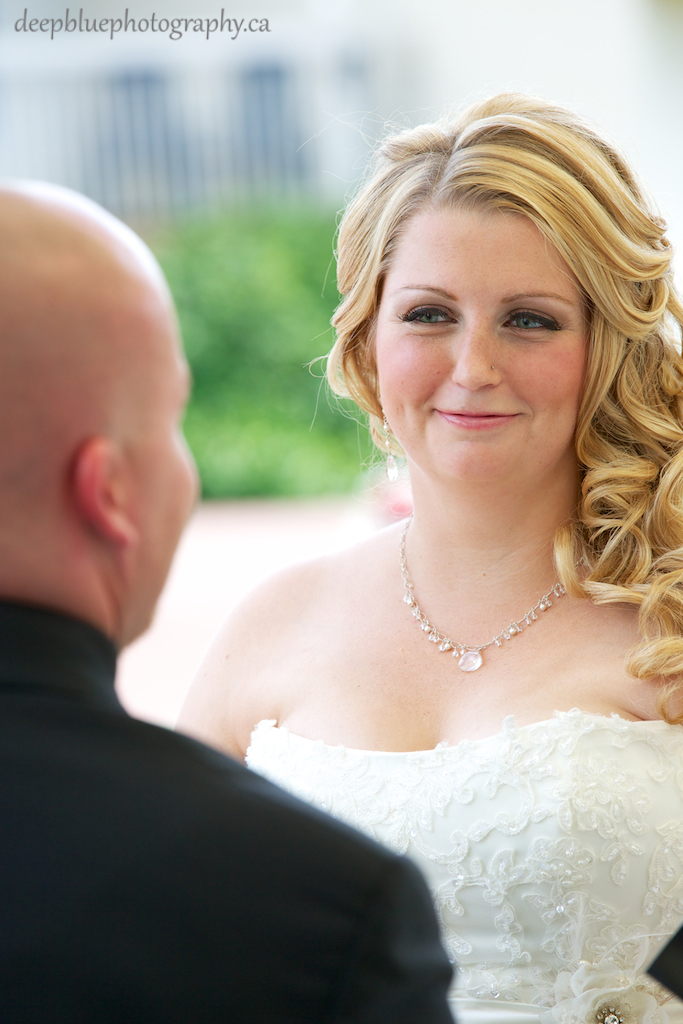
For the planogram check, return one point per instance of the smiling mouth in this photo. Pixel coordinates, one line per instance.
(482, 420)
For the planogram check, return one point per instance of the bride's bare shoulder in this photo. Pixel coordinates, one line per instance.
(287, 594)
(239, 682)
(284, 594)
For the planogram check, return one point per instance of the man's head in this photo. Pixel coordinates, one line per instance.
(95, 480)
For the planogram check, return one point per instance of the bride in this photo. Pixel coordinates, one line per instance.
(493, 685)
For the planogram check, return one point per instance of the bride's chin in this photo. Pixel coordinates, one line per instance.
(462, 474)
(474, 462)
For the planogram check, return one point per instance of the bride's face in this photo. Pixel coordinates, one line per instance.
(481, 344)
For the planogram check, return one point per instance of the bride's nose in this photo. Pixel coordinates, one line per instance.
(476, 357)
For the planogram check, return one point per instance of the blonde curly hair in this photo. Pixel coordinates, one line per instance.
(523, 155)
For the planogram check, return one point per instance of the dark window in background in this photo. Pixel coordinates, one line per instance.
(271, 138)
(140, 164)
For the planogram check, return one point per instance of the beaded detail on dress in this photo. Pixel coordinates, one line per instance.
(554, 852)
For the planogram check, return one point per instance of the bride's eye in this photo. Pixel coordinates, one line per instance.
(426, 315)
(526, 321)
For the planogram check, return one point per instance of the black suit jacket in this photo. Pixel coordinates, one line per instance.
(146, 878)
(668, 967)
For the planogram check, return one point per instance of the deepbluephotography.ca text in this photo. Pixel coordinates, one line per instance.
(174, 28)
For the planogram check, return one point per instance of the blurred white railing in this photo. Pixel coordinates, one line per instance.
(148, 142)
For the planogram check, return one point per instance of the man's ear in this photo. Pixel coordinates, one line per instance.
(102, 491)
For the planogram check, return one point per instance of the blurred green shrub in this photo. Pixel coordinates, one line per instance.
(255, 291)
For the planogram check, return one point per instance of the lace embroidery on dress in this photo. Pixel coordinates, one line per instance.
(554, 851)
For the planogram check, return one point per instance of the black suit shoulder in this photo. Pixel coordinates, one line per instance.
(165, 881)
(668, 966)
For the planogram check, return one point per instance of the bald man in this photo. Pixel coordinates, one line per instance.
(144, 877)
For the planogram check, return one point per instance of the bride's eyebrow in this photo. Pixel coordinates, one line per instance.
(426, 288)
(517, 297)
(538, 295)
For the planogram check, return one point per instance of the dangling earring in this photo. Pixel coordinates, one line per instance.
(391, 466)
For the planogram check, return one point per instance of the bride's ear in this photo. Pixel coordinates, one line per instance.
(103, 492)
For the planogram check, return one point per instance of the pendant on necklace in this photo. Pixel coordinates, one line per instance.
(469, 658)
(470, 661)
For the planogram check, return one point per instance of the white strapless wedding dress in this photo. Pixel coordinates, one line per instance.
(554, 852)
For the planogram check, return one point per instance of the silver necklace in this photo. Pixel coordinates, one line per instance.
(469, 657)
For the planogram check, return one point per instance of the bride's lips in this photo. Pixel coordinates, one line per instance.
(477, 420)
